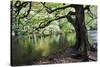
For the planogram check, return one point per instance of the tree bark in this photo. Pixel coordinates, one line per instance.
(81, 31)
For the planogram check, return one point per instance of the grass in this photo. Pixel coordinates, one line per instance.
(71, 39)
(42, 47)
(27, 52)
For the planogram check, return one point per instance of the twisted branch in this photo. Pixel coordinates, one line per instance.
(68, 16)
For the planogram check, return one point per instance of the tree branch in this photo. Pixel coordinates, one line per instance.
(70, 19)
(18, 6)
(49, 10)
(87, 8)
(89, 11)
(30, 4)
(91, 20)
(68, 16)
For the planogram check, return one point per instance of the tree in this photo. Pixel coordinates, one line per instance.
(79, 24)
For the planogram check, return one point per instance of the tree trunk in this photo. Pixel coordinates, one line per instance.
(81, 31)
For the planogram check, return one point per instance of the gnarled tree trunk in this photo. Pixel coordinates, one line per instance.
(81, 31)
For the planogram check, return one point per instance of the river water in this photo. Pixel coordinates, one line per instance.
(93, 36)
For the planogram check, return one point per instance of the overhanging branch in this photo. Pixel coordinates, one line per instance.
(49, 10)
(68, 16)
